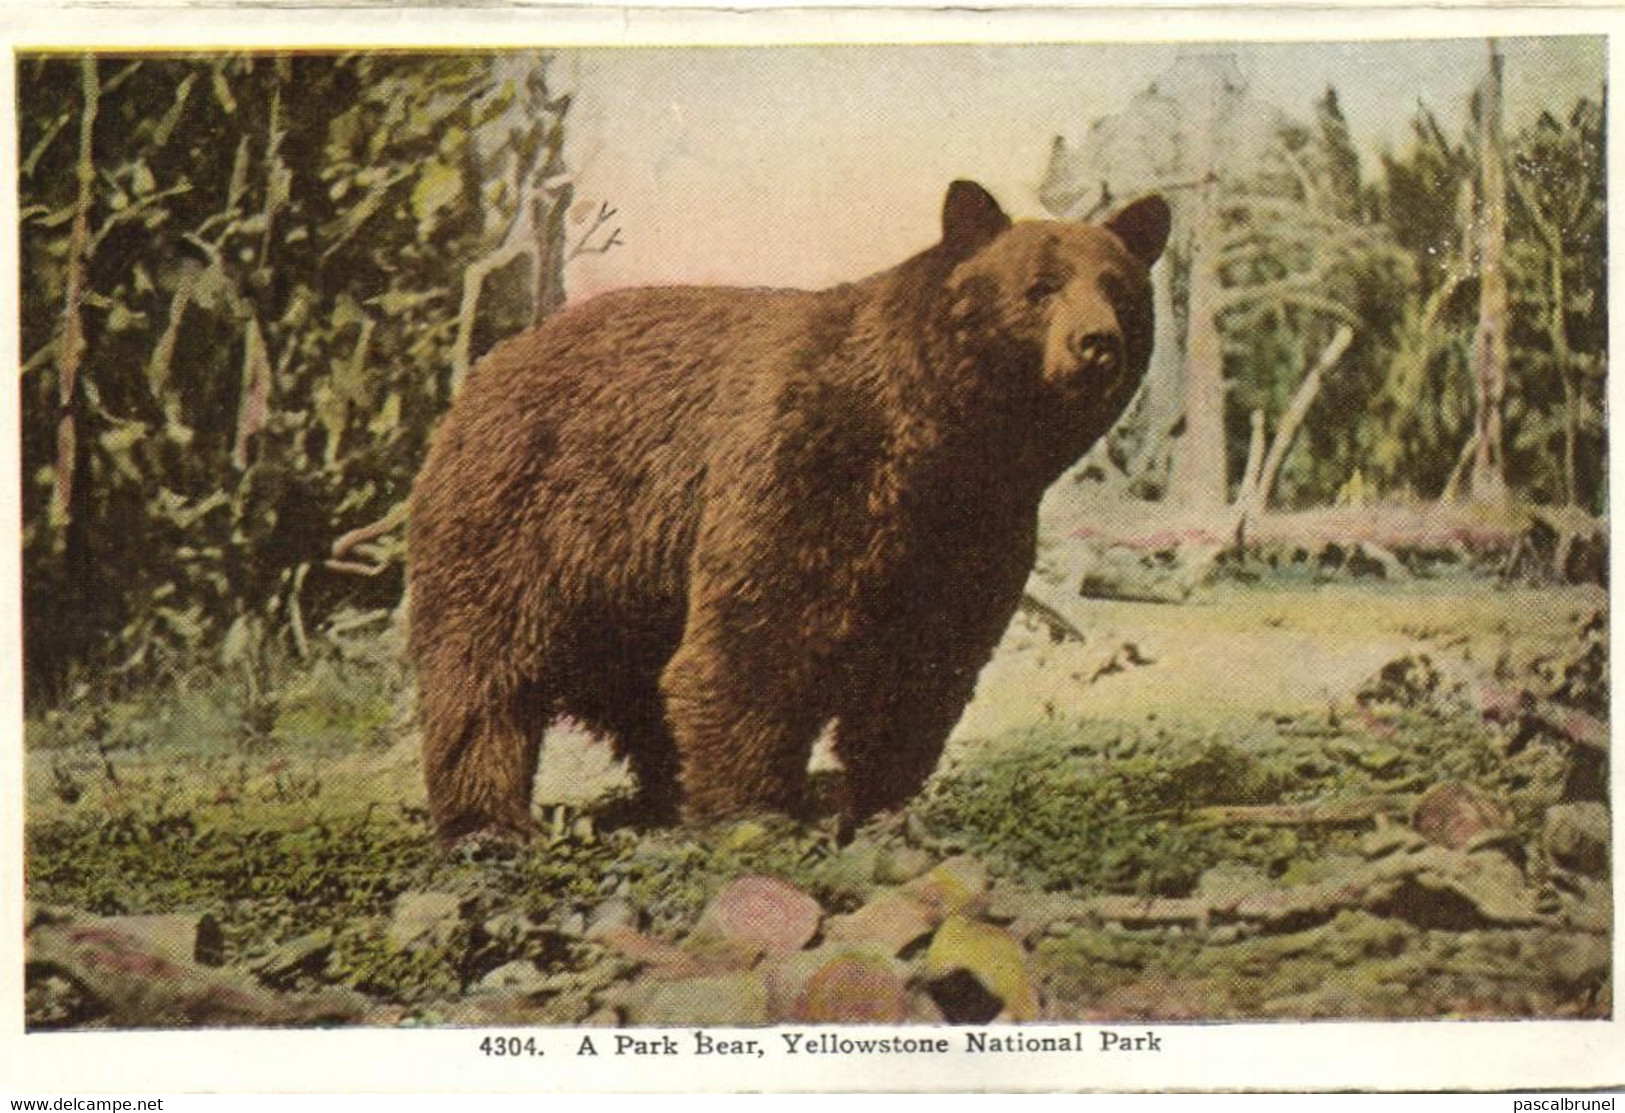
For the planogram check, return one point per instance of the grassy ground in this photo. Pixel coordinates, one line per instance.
(1082, 769)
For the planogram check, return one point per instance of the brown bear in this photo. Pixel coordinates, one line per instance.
(707, 522)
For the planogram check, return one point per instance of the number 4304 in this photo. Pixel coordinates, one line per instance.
(510, 1045)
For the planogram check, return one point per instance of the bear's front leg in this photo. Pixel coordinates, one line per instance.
(907, 683)
(891, 738)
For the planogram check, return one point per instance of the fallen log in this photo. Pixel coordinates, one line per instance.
(1324, 813)
(1431, 887)
(133, 972)
(1060, 627)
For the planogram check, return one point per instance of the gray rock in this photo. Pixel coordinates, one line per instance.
(512, 929)
(520, 976)
(1452, 814)
(1579, 962)
(1230, 881)
(1389, 839)
(901, 864)
(1588, 905)
(307, 954)
(425, 919)
(732, 999)
(1577, 837)
(190, 938)
(612, 915)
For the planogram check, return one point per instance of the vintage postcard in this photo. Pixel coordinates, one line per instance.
(608, 550)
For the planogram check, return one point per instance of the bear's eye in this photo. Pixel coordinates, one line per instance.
(1044, 288)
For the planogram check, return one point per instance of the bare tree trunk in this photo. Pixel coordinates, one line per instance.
(1200, 479)
(1164, 380)
(1452, 485)
(1297, 410)
(1557, 332)
(1490, 338)
(1571, 390)
(547, 281)
(533, 235)
(1255, 492)
(1255, 458)
(71, 351)
(1249, 479)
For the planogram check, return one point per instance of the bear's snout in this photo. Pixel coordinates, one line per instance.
(1085, 349)
(1097, 353)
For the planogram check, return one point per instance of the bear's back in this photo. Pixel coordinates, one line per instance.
(574, 460)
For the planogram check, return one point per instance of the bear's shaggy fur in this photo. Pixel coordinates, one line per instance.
(705, 522)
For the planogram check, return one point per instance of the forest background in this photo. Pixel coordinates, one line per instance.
(252, 283)
(1369, 458)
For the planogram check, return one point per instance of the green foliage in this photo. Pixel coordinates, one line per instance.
(1423, 410)
(1559, 273)
(159, 855)
(273, 309)
(1301, 240)
(1098, 810)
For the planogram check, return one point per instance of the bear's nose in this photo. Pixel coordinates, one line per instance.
(1099, 352)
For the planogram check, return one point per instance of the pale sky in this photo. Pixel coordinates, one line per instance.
(807, 166)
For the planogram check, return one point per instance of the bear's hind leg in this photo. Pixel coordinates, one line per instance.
(638, 725)
(479, 757)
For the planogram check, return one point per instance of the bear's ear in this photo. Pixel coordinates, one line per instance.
(1143, 227)
(970, 217)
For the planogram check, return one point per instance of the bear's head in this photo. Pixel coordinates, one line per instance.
(1063, 306)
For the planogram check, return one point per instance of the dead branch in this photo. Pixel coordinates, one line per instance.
(133, 211)
(37, 152)
(364, 210)
(1313, 195)
(39, 359)
(122, 76)
(1326, 813)
(1060, 627)
(474, 276)
(163, 354)
(1259, 493)
(144, 972)
(1246, 494)
(604, 248)
(255, 404)
(71, 349)
(1574, 726)
(584, 245)
(296, 612)
(1436, 302)
(360, 536)
(166, 126)
(355, 568)
(1489, 350)
(1298, 408)
(370, 532)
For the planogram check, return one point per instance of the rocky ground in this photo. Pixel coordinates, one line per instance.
(1302, 801)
